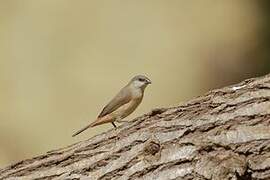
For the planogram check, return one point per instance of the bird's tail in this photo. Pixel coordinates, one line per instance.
(83, 129)
(102, 120)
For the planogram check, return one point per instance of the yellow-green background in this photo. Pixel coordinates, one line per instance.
(62, 60)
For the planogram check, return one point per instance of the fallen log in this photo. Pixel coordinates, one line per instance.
(224, 134)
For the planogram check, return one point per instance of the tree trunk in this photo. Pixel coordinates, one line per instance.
(224, 134)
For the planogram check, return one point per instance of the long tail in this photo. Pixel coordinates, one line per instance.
(102, 120)
(83, 129)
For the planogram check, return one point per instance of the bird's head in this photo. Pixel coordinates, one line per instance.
(140, 81)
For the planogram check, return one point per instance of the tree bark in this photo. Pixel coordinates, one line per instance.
(224, 134)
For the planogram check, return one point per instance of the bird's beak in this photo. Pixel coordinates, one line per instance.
(149, 81)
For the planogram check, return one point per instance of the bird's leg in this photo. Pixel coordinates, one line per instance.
(114, 125)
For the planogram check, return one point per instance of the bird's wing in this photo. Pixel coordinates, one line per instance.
(123, 97)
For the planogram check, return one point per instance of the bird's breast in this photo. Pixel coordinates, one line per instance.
(136, 93)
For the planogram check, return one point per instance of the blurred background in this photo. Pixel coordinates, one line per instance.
(61, 61)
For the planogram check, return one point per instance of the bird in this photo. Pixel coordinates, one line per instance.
(123, 104)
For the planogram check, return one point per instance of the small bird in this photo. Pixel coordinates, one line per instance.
(123, 104)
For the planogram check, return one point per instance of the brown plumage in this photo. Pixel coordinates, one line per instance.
(123, 104)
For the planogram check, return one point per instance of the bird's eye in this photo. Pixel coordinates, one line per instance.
(141, 79)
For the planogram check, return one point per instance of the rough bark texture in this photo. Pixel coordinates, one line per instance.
(224, 134)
